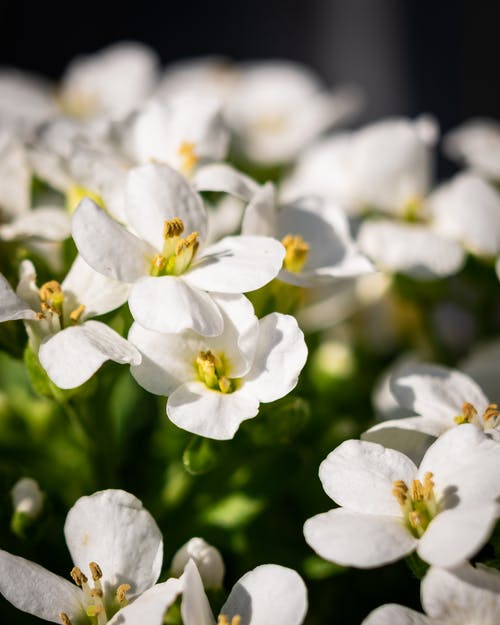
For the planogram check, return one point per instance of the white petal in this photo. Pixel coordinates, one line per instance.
(280, 355)
(11, 306)
(462, 595)
(195, 608)
(169, 304)
(35, 590)
(261, 214)
(454, 536)
(393, 614)
(359, 475)
(112, 528)
(156, 193)
(412, 436)
(207, 558)
(410, 249)
(224, 178)
(98, 293)
(151, 606)
(197, 409)
(107, 246)
(268, 594)
(361, 540)
(436, 391)
(477, 144)
(237, 264)
(481, 366)
(50, 224)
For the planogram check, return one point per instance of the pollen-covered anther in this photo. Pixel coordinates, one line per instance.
(188, 157)
(51, 297)
(491, 413)
(96, 592)
(78, 577)
(416, 490)
(469, 414)
(428, 485)
(65, 618)
(297, 251)
(173, 228)
(95, 570)
(75, 315)
(121, 593)
(223, 620)
(400, 491)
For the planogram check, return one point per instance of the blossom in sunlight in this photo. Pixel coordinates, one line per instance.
(476, 144)
(460, 596)
(207, 559)
(171, 273)
(445, 509)
(315, 234)
(439, 398)
(117, 550)
(213, 384)
(70, 345)
(268, 594)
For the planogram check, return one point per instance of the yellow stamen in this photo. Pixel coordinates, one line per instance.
(416, 491)
(65, 618)
(415, 519)
(469, 413)
(78, 577)
(77, 313)
(223, 620)
(400, 491)
(491, 412)
(412, 208)
(212, 371)
(173, 228)
(121, 592)
(96, 592)
(95, 569)
(297, 251)
(428, 486)
(188, 157)
(51, 297)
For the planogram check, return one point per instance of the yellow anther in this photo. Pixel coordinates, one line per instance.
(121, 592)
(96, 592)
(158, 264)
(187, 243)
(188, 157)
(223, 620)
(78, 577)
(416, 491)
(65, 618)
(51, 297)
(400, 491)
(77, 313)
(415, 519)
(296, 254)
(95, 569)
(173, 228)
(491, 412)
(469, 413)
(428, 486)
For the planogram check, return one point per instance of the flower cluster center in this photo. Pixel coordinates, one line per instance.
(95, 607)
(213, 372)
(52, 303)
(297, 251)
(418, 503)
(177, 253)
(489, 418)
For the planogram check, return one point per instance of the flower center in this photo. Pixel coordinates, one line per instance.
(75, 194)
(188, 157)
(223, 620)
(93, 596)
(413, 209)
(418, 503)
(489, 419)
(177, 254)
(213, 371)
(78, 103)
(297, 251)
(273, 124)
(52, 303)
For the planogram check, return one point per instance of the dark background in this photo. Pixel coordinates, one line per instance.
(409, 56)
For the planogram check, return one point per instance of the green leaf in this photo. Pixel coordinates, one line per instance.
(233, 511)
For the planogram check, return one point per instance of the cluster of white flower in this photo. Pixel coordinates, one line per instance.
(143, 179)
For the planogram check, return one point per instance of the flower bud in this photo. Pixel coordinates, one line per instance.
(27, 498)
(207, 558)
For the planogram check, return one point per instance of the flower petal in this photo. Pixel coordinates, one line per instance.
(169, 304)
(237, 264)
(156, 193)
(261, 214)
(195, 608)
(151, 606)
(392, 614)
(107, 246)
(454, 536)
(33, 589)
(197, 409)
(11, 306)
(359, 475)
(268, 594)
(112, 528)
(224, 178)
(280, 355)
(72, 356)
(47, 223)
(354, 539)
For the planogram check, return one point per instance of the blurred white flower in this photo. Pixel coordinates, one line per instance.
(208, 560)
(476, 143)
(27, 498)
(445, 509)
(213, 384)
(461, 596)
(171, 276)
(116, 542)
(71, 347)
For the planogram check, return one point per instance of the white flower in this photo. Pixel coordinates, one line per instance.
(114, 541)
(315, 233)
(445, 509)
(25, 99)
(439, 398)
(171, 276)
(71, 347)
(267, 594)
(458, 597)
(27, 498)
(207, 559)
(213, 384)
(476, 143)
(385, 166)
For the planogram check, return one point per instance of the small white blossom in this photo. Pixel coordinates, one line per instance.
(207, 558)
(476, 143)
